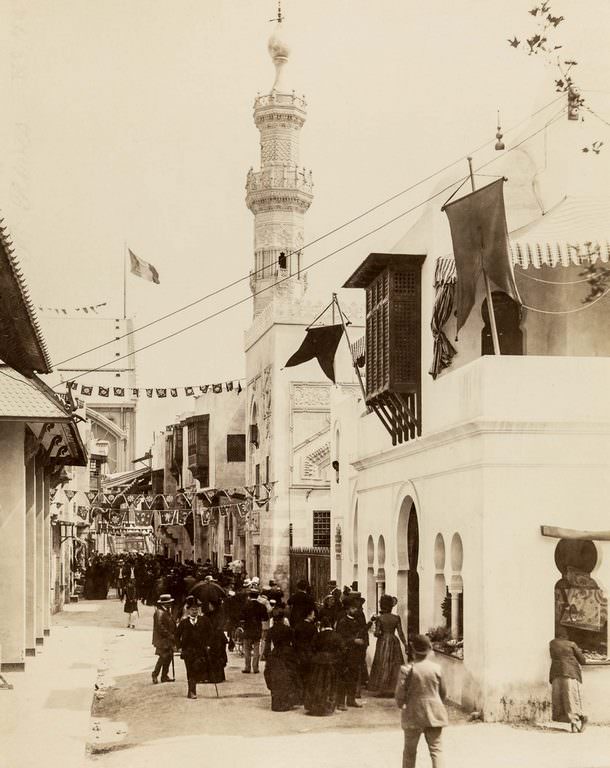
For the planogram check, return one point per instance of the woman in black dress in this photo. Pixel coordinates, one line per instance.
(281, 670)
(327, 659)
(131, 603)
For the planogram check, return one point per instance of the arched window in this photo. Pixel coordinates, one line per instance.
(440, 583)
(508, 318)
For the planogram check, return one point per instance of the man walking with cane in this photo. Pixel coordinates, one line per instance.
(163, 639)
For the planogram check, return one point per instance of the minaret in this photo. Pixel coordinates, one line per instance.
(279, 194)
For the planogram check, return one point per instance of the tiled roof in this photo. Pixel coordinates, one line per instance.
(22, 342)
(24, 399)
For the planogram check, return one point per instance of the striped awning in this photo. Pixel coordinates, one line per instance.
(575, 232)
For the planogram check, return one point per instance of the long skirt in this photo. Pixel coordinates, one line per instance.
(321, 689)
(566, 699)
(283, 680)
(386, 666)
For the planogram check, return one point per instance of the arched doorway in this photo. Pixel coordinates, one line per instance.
(440, 583)
(412, 574)
(370, 576)
(402, 560)
(380, 578)
(355, 544)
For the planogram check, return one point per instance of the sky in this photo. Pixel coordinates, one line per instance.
(129, 122)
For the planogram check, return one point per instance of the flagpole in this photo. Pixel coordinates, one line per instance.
(354, 363)
(124, 280)
(490, 306)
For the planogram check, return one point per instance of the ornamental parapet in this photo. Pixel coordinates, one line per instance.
(280, 99)
(280, 177)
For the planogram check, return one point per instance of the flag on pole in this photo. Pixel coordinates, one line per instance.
(320, 343)
(480, 244)
(142, 268)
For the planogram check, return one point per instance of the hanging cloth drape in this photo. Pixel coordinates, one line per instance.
(444, 285)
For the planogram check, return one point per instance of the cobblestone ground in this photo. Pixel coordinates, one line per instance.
(88, 699)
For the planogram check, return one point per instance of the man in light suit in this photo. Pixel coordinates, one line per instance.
(420, 694)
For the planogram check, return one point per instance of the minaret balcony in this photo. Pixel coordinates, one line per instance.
(280, 99)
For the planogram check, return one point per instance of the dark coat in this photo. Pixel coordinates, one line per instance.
(566, 658)
(163, 631)
(350, 630)
(300, 604)
(252, 616)
(194, 639)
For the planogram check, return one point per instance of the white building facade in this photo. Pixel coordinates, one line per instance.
(490, 523)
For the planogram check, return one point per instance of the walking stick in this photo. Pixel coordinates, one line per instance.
(173, 667)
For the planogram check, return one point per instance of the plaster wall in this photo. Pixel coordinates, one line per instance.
(12, 545)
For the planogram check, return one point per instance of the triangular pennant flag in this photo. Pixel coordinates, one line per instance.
(149, 393)
(204, 388)
(91, 496)
(52, 494)
(103, 391)
(229, 386)
(161, 392)
(118, 391)
(188, 391)
(239, 387)
(110, 497)
(86, 390)
(480, 244)
(173, 392)
(82, 512)
(216, 388)
(320, 343)
(70, 494)
(268, 487)
(250, 490)
(135, 392)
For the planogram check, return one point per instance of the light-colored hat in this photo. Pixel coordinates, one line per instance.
(247, 582)
(164, 599)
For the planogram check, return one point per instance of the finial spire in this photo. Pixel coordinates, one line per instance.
(279, 12)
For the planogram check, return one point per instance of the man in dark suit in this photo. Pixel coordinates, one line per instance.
(300, 604)
(355, 639)
(163, 638)
(194, 638)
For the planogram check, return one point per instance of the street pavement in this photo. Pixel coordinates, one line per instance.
(88, 699)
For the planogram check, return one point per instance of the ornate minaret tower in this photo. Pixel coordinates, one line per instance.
(279, 194)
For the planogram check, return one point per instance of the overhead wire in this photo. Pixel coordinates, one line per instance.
(313, 264)
(316, 240)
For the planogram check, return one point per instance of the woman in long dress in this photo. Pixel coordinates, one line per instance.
(566, 678)
(327, 659)
(388, 655)
(281, 670)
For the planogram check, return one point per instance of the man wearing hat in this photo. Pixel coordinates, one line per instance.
(355, 639)
(194, 637)
(163, 638)
(252, 616)
(420, 694)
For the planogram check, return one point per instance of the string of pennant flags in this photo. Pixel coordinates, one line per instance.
(88, 390)
(113, 520)
(92, 308)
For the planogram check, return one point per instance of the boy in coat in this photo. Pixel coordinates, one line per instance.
(420, 694)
